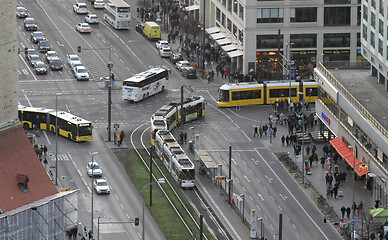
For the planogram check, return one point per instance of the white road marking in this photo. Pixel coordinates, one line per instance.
(260, 196)
(116, 197)
(244, 189)
(121, 205)
(28, 100)
(235, 163)
(48, 140)
(223, 136)
(246, 135)
(237, 180)
(258, 180)
(246, 178)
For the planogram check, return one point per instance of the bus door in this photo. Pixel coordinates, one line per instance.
(265, 93)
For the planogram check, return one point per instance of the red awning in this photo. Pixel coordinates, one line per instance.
(347, 154)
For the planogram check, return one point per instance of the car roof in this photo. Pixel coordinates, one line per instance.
(51, 52)
(40, 62)
(100, 180)
(84, 24)
(184, 61)
(80, 67)
(188, 68)
(81, 4)
(73, 55)
(34, 55)
(55, 58)
(37, 32)
(95, 163)
(29, 18)
(92, 15)
(21, 8)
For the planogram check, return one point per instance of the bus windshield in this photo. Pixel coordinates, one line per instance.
(187, 174)
(84, 130)
(130, 84)
(224, 96)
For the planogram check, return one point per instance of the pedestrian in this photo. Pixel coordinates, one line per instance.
(275, 129)
(90, 235)
(354, 207)
(335, 191)
(288, 141)
(45, 150)
(118, 140)
(323, 162)
(260, 131)
(45, 162)
(328, 190)
(185, 137)
(122, 136)
(255, 131)
(360, 206)
(283, 139)
(348, 211)
(343, 210)
(308, 150)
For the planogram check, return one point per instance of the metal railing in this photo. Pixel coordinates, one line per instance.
(352, 100)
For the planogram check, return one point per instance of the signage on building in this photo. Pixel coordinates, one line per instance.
(304, 52)
(336, 51)
(325, 118)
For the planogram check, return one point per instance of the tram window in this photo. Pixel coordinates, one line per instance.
(283, 92)
(246, 95)
(224, 96)
(314, 92)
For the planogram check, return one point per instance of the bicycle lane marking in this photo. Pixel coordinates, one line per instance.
(300, 205)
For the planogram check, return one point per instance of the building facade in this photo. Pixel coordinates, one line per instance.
(269, 31)
(374, 38)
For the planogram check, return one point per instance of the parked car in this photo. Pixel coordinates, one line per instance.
(94, 168)
(33, 59)
(81, 73)
(165, 51)
(40, 68)
(44, 46)
(83, 28)
(175, 57)
(161, 43)
(30, 51)
(101, 186)
(99, 4)
(21, 12)
(50, 54)
(80, 8)
(56, 64)
(189, 72)
(74, 65)
(92, 18)
(30, 24)
(182, 64)
(37, 37)
(72, 58)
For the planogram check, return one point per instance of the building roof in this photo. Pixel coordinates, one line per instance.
(17, 156)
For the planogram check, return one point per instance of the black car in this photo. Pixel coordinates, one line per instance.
(37, 36)
(30, 24)
(29, 52)
(189, 72)
(56, 64)
(40, 68)
(139, 27)
(21, 12)
(44, 46)
(175, 57)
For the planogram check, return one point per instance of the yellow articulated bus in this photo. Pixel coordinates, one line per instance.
(250, 93)
(70, 126)
(151, 30)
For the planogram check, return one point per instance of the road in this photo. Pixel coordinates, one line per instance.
(256, 172)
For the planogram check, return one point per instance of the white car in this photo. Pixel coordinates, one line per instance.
(97, 171)
(165, 51)
(92, 18)
(80, 8)
(182, 64)
(159, 44)
(101, 186)
(81, 73)
(50, 54)
(74, 65)
(83, 28)
(99, 4)
(72, 58)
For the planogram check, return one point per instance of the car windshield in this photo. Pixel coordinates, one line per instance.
(44, 44)
(30, 21)
(51, 54)
(56, 61)
(102, 184)
(40, 65)
(38, 35)
(35, 58)
(74, 59)
(82, 70)
(21, 10)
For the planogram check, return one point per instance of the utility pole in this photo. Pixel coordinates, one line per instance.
(151, 148)
(182, 110)
(110, 65)
(203, 36)
(230, 170)
(280, 226)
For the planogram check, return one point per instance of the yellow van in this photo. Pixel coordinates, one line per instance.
(151, 30)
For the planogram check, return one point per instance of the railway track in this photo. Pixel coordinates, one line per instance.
(198, 203)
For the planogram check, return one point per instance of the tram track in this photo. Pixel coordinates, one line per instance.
(210, 220)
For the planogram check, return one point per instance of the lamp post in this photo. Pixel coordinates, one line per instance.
(353, 176)
(243, 203)
(91, 226)
(289, 70)
(302, 125)
(261, 228)
(160, 180)
(56, 137)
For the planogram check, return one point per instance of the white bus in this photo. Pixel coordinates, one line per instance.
(145, 84)
(117, 13)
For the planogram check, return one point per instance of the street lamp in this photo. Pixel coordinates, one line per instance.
(354, 171)
(302, 125)
(160, 180)
(56, 137)
(243, 200)
(261, 228)
(94, 153)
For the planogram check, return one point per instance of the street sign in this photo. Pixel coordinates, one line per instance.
(300, 122)
(63, 177)
(353, 222)
(219, 178)
(271, 131)
(116, 126)
(299, 158)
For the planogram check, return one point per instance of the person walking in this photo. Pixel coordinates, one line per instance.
(185, 137)
(360, 207)
(122, 136)
(255, 131)
(283, 139)
(45, 150)
(261, 131)
(348, 211)
(343, 210)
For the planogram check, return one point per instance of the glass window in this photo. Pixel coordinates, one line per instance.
(304, 40)
(230, 5)
(241, 37)
(235, 6)
(365, 12)
(268, 41)
(365, 32)
(235, 31)
(373, 20)
(268, 0)
(372, 39)
(224, 3)
(223, 19)
(269, 15)
(387, 53)
(381, 7)
(218, 14)
(381, 27)
(229, 25)
(380, 45)
(358, 16)
(373, 3)
(303, 14)
(358, 40)
(336, 40)
(337, 16)
(241, 12)
(337, 1)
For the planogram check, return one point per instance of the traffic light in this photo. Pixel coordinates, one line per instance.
(137, 221)
(270, 124)
(324, 219)
(79, 48)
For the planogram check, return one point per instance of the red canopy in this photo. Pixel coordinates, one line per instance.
(347, 153)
